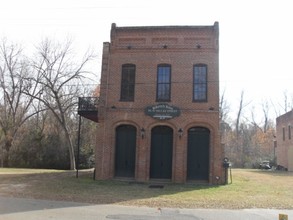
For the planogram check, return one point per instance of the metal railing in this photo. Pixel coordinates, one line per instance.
(88, 103)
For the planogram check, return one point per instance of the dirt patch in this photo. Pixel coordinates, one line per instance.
(10, 189)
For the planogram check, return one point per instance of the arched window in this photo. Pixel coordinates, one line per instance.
(200, 86)
(127, 82)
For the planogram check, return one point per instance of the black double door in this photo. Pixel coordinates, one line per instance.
(125, 149)
(198, 153)
(161, 152)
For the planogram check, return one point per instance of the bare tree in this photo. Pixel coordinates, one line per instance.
(59, 79)
(240, 109)
(224, 108)
(14, 104)
(286, 101)
(265, 110)
(264, 122)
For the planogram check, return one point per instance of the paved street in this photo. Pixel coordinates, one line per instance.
(31, 209)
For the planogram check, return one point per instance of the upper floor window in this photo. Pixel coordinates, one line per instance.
(127, 82)
(200, 86)
(164, 83)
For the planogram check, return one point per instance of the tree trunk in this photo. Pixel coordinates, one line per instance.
(5, 152)
(70, 148)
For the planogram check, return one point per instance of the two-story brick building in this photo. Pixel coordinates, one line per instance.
(284, 149)
(159, 105)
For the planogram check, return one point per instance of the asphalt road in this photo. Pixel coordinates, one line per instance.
(32, 209)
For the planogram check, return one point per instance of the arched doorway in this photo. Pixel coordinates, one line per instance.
(125, 148)
(161, 152)
(198, 153)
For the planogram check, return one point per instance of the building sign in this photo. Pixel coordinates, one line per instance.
(162, 111)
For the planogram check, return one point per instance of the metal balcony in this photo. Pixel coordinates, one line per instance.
(88, 108)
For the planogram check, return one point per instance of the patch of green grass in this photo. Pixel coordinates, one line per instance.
(26, 171)
(250, 189)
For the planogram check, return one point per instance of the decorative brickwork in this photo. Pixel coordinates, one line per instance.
(181, 47)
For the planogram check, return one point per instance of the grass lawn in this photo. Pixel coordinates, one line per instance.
(250, 189)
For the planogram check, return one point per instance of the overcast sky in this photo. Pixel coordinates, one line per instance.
(256, 37)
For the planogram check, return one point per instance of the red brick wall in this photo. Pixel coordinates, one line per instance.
(284, 142)
(144, 47)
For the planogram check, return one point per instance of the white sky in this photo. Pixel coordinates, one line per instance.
(256, 37)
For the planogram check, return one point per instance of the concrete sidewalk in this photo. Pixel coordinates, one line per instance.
(31, 209)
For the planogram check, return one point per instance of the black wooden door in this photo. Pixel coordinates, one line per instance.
(125, 151)
(161, 152)
(198, 154)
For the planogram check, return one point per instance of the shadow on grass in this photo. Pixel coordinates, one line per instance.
(117, 191)
(250, 189)
(64, 186)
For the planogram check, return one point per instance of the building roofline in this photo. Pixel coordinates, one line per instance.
(114, 26)
(285, 114)
(115, 29)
